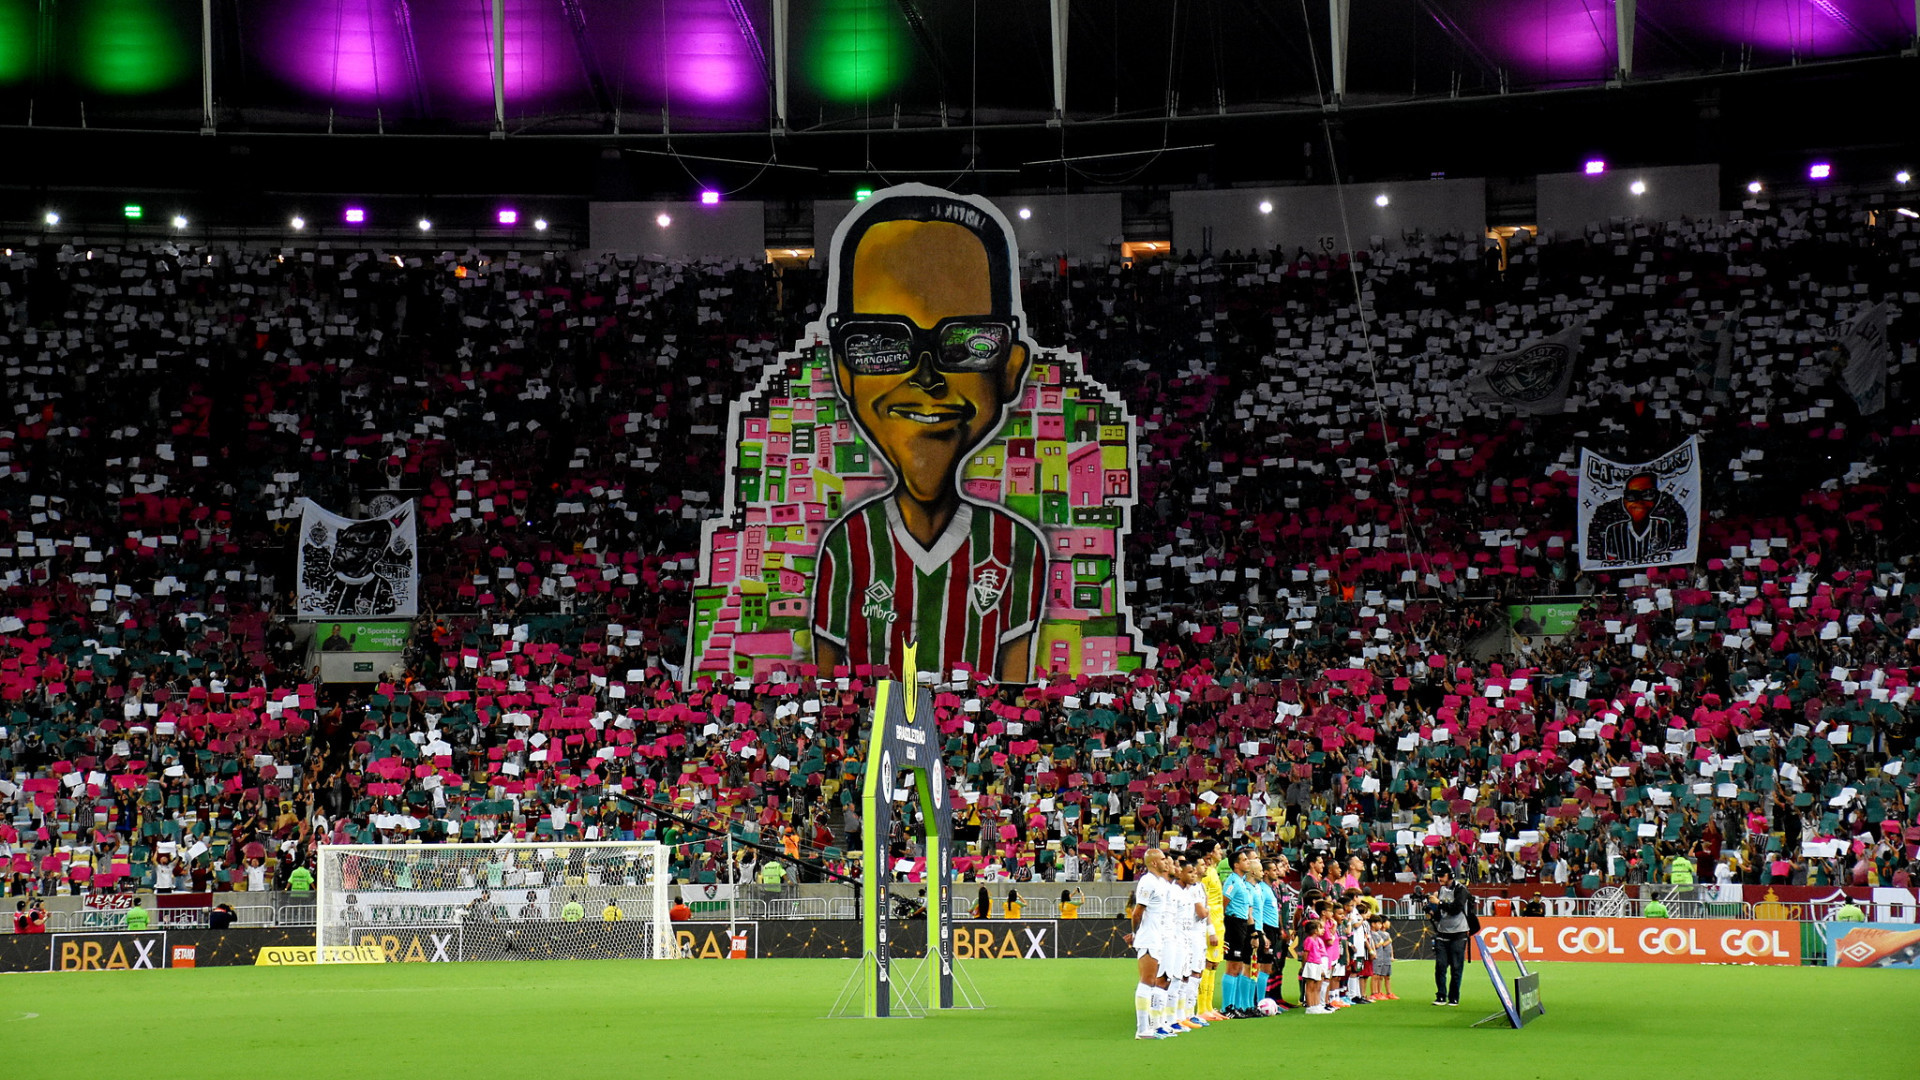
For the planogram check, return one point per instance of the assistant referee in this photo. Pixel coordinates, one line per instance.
(1238, 950)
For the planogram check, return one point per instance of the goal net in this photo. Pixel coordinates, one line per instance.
(458, 902)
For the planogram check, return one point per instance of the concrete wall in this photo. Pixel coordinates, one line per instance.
(731, 230)
(1078, 226)
(1567, 202)
(1306, 217)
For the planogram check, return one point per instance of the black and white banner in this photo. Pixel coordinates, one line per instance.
(1640, 514)
(1534, 378)
(1865, 373)
(363, 567)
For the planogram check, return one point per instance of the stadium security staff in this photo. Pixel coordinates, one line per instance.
(1449, 910)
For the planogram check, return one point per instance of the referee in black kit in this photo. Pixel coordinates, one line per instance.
(1450, 909)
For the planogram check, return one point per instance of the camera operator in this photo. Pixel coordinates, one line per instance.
(1450, 910)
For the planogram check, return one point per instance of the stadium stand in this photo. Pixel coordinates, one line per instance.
(171, 402)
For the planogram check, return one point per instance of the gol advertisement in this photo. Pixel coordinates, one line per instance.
(1642, 941)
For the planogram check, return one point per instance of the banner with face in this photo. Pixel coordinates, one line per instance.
(358, 566)
(1640, 514)
(917, 469)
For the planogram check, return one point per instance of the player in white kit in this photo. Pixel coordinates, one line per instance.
(1154, 898)
(1192, 923)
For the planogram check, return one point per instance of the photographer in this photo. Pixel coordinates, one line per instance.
(1450, 909)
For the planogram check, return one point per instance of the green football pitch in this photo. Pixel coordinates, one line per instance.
(1057, 1018)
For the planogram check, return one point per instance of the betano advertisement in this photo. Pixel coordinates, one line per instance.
(1640, 941)
(918, 470)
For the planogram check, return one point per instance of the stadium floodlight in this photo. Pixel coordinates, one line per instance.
(508, 217)
(1596, 166)
(663, 220)
(540, 224)
(426, 224)
(709, 197)
(356, 216)
(1266, 207)
(1381, 199)
(1754, 188)
(52, 218)
(179, 221)
(553, 900)
(1819, 170)
(1026, 214)
(298, 223)
(1638, 187)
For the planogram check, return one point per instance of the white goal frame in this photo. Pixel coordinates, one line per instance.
(642, 890)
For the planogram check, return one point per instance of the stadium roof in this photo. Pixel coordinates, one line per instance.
(641, 98)
(704, 65)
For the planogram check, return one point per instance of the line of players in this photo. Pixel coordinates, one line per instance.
(1211, 945)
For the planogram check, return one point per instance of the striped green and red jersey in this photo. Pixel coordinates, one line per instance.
(980, 585)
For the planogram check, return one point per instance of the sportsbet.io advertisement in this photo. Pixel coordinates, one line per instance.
(385, 637)
(917, 469)
(1542, 620)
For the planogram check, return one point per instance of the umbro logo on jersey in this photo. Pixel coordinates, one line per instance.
(879, 602)
(989, 584)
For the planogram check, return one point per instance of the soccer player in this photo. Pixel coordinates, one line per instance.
(1216, 930)
(1287, 903)
(1153, 901)
(923, 321)
(1192, 920)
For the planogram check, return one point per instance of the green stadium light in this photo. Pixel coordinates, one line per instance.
(133, 211)
(861, 195)
(131, 47)
(858, 49)
(16, 40)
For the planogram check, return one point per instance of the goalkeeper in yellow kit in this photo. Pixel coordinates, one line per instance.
(1210, 857)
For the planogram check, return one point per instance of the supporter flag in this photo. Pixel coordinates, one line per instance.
(1865, 375)
(1640, 514)
(369, 566)
(1534, 378)
(1711, 350)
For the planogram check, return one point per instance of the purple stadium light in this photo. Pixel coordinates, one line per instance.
(1596, 167)
(1822, 29)
(1819, 170)
(356, 216)
(707, 62)
(1542, 41)
(709, 198)
(509, 217)
(696, 59)
(349, 51)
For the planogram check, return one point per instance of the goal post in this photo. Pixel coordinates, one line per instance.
(595, 899)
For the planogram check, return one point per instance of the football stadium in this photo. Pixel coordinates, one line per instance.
(850, 537)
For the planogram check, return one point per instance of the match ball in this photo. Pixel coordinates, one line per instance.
(1268, 1007)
